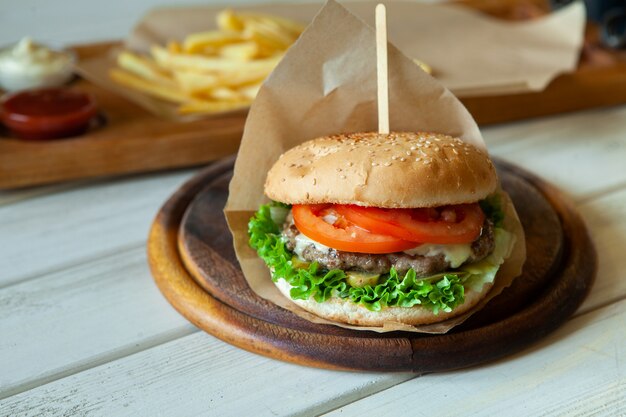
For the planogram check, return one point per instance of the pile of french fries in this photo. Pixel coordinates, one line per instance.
(213, 71)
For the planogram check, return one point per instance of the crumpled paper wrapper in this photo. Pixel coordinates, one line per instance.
(326, 84)
(472, 54)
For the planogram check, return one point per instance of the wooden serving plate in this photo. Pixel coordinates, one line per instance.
(193, 263)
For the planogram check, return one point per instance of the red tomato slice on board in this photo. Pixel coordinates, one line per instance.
(448, 224)
(342, 234)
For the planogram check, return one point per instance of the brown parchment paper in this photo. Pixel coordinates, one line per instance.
(326, 84)
(471, 54)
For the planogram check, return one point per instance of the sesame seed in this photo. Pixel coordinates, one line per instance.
(437, 148)
(413, 147)
(350, 163)
(427, 162)
(387, 164)
(374, 164)
(418, 159)
(314, 181)
(455, 151)
(408, 153)
(394, 157)
(402, 159)
(343, 177)
(338, 169)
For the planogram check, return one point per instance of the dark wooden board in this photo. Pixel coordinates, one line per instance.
(193, 263)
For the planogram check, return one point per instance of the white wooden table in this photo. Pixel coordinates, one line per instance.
(84, 330)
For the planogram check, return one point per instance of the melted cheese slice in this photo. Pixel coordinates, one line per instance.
(455, 254)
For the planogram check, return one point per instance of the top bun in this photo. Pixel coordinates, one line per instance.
(395, 170)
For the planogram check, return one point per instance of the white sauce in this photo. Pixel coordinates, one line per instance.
(30, 65)
(455, 254)
(303, 241)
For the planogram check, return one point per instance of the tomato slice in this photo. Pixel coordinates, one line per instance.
(448, 224)
(342, 234)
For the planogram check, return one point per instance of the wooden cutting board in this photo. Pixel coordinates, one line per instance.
(193, 263)
(132, 140)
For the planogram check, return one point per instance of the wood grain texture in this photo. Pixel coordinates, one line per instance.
(56, 231)
(576, 371)
(249, 324)
(582, 154)
(607, 224)
(197, 375)
(131, 140)
(88, 314)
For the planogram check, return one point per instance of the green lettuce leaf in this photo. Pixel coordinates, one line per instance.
(439, 292)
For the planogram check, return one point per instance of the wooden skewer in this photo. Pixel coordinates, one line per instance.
(381, 69)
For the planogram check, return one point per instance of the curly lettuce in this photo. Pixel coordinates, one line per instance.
(439, 292)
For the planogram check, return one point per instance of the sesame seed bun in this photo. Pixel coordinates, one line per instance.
(345, 311)
(396, 170)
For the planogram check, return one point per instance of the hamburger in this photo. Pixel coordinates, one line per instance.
(368, 228)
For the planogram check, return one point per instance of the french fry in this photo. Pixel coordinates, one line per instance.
(227, 94)
(144, 68)
(210, 64)
(193, 83)
(227, 20)
(244, 51)
(268, 33)
(174, 47)
(293, 27)
(212, 71)
(146, 86)
(196, 42)
(243, 77)
(250, 91)
(211, 106)
(424, 66)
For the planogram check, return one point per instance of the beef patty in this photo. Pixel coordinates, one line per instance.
(382, 263)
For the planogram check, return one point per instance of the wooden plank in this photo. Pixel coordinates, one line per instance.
(14, 196)
(88, 314)
(197, 375)
(578, 370)
(59, 230)
(607, 224)
(582, 154)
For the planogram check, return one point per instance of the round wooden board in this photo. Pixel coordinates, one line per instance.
(194, 265)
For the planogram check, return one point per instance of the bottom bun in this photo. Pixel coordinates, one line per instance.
(345, 311)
